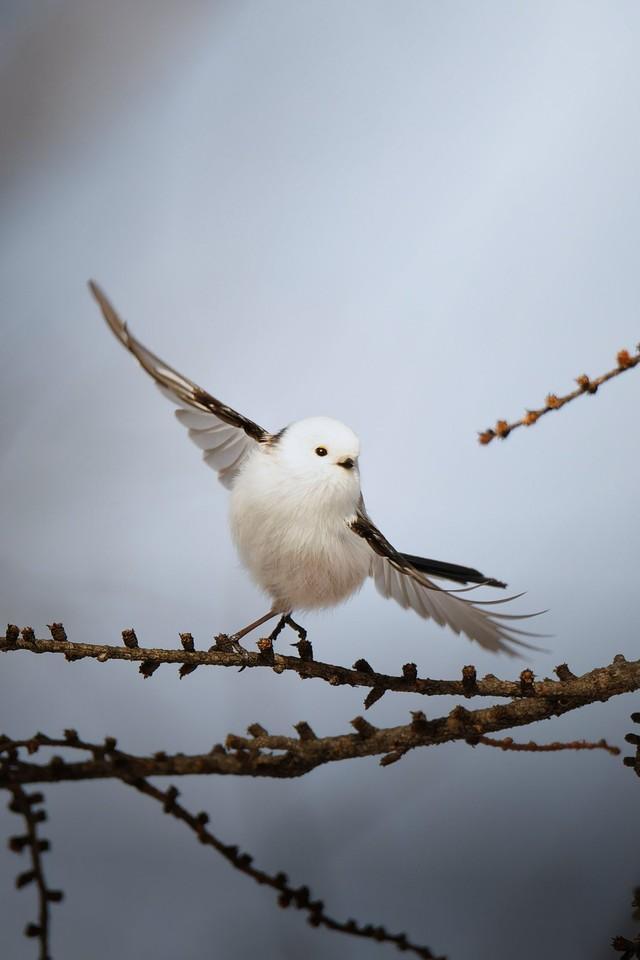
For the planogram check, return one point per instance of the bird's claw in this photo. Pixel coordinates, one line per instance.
(237, 647)
(302, 633)
(232, 645)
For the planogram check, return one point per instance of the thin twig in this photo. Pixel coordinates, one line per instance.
(287, 895)
(531, 747)
(502, 429)
(299, 897)
(634, 739)
(630, 949)
(24, 804)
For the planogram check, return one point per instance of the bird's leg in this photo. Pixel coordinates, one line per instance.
(281, 624)
(302, 633)
(237, 637)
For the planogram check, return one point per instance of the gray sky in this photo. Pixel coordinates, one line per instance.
(416, 217)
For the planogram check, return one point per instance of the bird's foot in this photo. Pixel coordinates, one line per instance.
(237, 647)
(302, 633)
(304, 648)
(230, 644)
(277, 630)
(242, 652)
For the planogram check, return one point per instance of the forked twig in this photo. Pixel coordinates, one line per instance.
(124, 770)
(263, 755)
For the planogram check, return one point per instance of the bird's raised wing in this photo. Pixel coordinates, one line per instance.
(223, 434)
(396, 577)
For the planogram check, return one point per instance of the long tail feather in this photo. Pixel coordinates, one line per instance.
(450, 571)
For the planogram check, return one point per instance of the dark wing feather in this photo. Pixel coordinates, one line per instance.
(224, 435)
(396, 577)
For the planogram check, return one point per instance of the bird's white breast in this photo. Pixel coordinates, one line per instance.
(292, 534)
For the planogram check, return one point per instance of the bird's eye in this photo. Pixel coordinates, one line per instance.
(321, 451)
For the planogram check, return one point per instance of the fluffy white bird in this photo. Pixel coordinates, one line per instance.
(298, 517)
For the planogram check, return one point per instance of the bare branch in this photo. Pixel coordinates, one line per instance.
(531, 747)
(361, 675)
(630, 949)
(24, 803)
(263, 755)
(287, 895)
(299, 897)
(122, 766)
(634, 739)
(502, 429)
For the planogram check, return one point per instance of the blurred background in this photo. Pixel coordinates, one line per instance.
(416, 217)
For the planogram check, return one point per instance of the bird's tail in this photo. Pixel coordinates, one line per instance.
(450, 571)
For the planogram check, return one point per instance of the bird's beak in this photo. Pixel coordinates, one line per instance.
(347, 463)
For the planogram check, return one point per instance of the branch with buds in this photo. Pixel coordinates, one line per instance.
(260, 754)
(630, 949)
(126, 768)
(263, 755)
(361, 674)
(299, 897)
(624, 361)
(25, 805)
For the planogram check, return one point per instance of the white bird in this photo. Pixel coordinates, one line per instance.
(298, 517)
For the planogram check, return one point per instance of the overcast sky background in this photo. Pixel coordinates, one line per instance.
(417, 217)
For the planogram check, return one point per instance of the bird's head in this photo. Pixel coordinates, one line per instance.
(323, 452)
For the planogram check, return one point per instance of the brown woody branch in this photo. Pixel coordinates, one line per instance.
(24, 804)
(263, 755)
(361, 675)
(531, 747)
(287, 895)
(502, 429)
(126, 768)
